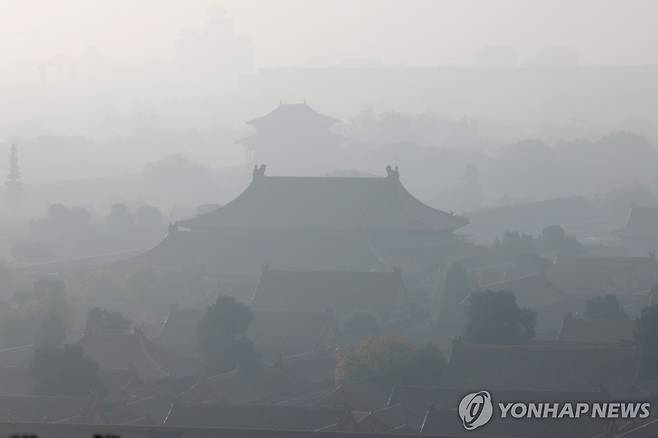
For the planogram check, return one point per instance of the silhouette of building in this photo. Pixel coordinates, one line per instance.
(293, 136)
(313, 224)
(273, 332)
(606, 330)
(340, 292)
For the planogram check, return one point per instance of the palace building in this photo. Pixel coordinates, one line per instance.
(283, 138)
(312, 224)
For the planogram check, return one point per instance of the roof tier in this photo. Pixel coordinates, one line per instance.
(342, 292)
(244, 252)
(326, 204)
(292, 114)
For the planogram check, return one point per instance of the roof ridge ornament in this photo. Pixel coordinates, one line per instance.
(392, 172)
(259, 171)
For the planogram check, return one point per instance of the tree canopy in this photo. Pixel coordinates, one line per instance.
(106, 321)
(51, 330)
(494, 317)
(220, 336)
(390, 360)
(65, 371)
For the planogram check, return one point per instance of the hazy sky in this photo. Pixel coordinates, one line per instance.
(293, 32)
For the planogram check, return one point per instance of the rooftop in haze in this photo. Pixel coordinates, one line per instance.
(326, 204)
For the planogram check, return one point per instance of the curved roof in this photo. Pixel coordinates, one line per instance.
(341, 291)
(245, 252)
(550, 366)
(292, 114)
(326, 204)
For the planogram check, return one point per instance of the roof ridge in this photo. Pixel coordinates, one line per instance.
(555, 345)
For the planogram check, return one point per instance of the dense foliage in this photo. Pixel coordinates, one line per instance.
(494, 317)
(65, 371)
(220, 336)
(390, 360)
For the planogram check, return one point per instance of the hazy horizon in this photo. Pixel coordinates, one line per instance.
(88, 84)
(322, 32)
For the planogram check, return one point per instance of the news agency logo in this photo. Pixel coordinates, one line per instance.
(476, 409)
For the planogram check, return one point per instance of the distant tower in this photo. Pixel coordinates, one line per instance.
(13, 183)
(293, 137)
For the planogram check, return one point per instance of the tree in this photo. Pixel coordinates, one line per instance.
(246, 357)
(388, 361)
(119, 219)
(148, 217)
(219, 333)
(494, 317)
(555, 240)
(604, 307)
(514, 244)
(51, 331)
(646, 333)
(65, 371)
(50, 297)
(105, 321)
(40, 316)
(361, 324)
(456, 287)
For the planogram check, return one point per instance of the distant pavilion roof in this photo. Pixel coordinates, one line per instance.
(292, 114)
(326, 204)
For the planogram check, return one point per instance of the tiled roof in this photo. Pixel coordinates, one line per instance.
(286, 332)
(534, 291)
(419, 399)
(16, 356)
(362, 397)
(545, 366)
(292, 115)
(123, 352)
(237, 387)
(446, 422)
(254, 416)
(179, 331)
(326, 204)
(596, 330)
(293, 332)
(599, 275)
(342, 292)
(314, 367)
(390, 418)
(244, 252)
(44, 409)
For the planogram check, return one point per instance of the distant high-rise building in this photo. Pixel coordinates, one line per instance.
(13, 182)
